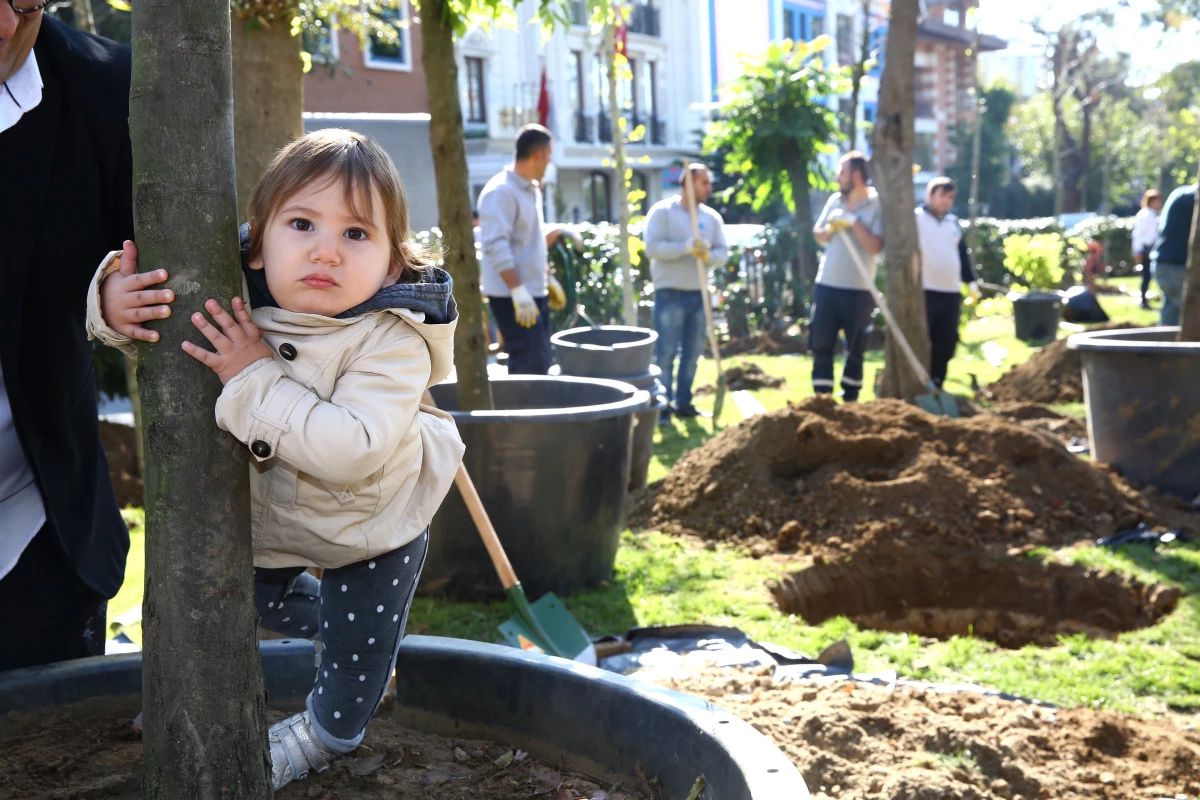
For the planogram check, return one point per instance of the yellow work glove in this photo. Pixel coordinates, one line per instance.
(524, 307)
(700, 249)
(973, 293)
(839, 220)
(558, 297)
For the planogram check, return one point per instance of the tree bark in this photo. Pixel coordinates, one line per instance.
(891, 170)
(202, 686)
(454, 201)
(1189, 317)
(856, 78)
(268, 98)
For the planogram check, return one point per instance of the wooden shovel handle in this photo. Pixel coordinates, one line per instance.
(702, 269)
(466, 487)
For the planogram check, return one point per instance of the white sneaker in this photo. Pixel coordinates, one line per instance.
(295, 750)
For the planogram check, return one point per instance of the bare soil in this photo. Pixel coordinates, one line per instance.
(91, 750)
(940, 592)
(1053, 375)
(120, 446)
(1038, 417)
(856, 741)
(748, 377)
(829, 479)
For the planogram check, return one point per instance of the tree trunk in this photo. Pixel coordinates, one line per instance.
(891, 170)
(202, 686)
(1189, 317)
(454, 201)
(135, 401)
(268, 98)
(619, 125)
(803, 220)
(84, 20)
(856, 78)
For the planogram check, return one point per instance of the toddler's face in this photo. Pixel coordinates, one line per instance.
(320, 257)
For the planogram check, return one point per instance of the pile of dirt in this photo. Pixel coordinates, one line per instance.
(750, 376)
(91, 750)
(771, 343)
(822, 477)
(856, 741)
(1040, 418)
(1053, 375)
(942, 592)
(120, 446)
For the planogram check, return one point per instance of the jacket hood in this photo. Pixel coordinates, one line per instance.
(433, 298)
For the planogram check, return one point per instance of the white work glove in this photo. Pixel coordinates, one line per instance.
(840, 220)
(700, 249)
(557, 297)
(524, 307)
(573, 238)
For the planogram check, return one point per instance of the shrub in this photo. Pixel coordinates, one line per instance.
(1116, 233)
(1035, 261)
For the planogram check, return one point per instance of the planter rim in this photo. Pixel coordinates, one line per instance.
(650, 336)
(1142, 341)
(635, 400)
(1035, 296)
(767, 772)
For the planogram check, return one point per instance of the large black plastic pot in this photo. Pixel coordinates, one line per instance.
(551, 464)
(594, 721)
(606, 351)
(1143, 404)
(1036, 315)
(643, 441)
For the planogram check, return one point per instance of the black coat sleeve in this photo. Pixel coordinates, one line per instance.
(964, 259)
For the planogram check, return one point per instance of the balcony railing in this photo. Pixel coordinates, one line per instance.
(604, 126)
(584, 130)
(658, 130)
(644, 19)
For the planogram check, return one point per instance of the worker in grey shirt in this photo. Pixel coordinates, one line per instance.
(678, 305)
(514, 274)
(842, 302)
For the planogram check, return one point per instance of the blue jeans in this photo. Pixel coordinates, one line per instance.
(680, 323)
(529, 351)
(1170, 278)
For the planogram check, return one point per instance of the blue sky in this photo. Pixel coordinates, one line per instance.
(1152, 52)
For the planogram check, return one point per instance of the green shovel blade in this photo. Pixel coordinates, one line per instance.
(545, 626)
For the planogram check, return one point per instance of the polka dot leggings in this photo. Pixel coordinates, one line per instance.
(359, 612)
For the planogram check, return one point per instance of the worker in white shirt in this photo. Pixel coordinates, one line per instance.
(945, 266)
(1145, 234)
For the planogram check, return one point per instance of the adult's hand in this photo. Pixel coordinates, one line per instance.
(126, 301)
(524, 307)
(558, 297)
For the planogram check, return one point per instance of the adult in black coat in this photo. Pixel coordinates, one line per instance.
(65, 201)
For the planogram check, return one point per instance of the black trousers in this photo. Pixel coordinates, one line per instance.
(835, 311)
(528, 349)
(50, 614)
(942, 310)
(1147, 273)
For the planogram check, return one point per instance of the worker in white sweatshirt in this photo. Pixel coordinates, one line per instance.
(945, 266)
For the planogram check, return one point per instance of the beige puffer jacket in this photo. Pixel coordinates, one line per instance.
(347, 463)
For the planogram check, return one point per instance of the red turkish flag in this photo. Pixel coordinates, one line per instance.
(543, 105)
(621, 38)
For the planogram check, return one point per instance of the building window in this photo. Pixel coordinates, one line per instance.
(869, 112)
(476, 101)
(845, 39)
(802, 24)
(597, 196)
(323, 46)
(395, 55)
(575, 83)
(651, 88)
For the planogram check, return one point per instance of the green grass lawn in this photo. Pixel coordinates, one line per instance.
(662, 580)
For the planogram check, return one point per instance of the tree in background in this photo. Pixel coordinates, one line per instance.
(891, 170)
(205, 725)
(774, 125)
(862, 65)
(995, 153)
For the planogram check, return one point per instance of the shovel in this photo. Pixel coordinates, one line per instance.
(542, 627)
(719, 398)
(936, 401)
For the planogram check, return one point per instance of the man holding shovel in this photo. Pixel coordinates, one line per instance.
(679, 318)
(842, 301)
